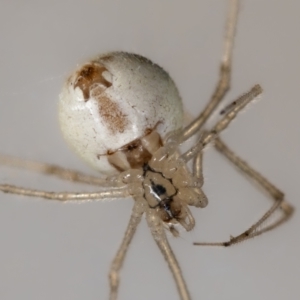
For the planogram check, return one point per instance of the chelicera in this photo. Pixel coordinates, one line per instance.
(123, 115)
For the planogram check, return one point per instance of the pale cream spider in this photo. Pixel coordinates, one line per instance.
(148, 165)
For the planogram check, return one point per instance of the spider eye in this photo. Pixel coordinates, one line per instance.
(114, 100)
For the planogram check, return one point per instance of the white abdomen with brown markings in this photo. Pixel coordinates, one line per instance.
(115, 99)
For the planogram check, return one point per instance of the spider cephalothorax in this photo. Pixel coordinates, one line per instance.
(161, 178)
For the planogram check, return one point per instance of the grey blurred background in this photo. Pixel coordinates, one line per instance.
(63, 251)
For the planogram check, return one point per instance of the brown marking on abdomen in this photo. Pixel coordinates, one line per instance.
(88, 75)
(115, 120)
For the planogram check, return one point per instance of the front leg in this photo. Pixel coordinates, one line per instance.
(159, 235)
(137, 212)
(278, 197)
(54, 170)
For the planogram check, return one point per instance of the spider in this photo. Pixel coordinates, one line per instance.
(148, 165)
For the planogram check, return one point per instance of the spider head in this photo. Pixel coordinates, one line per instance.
(169, 188)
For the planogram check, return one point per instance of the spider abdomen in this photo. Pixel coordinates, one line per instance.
(113, 100)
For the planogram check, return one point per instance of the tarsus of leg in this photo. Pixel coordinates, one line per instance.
(159, 235)
(136, 215)
(50, 169)
(274, 192)
(223, 84)
(115, 192)
(222, 124)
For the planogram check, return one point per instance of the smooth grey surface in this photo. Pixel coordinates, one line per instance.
(63, 251)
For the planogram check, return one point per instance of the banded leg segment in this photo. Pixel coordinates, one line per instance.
(209, 136)
(278, 197)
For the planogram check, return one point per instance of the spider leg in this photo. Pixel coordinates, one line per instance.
(223, 84)
(113, 192)
(222, 124)
(198, 167)
(55, 170)
(137, 212)
(278, 197)
(159, 235)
